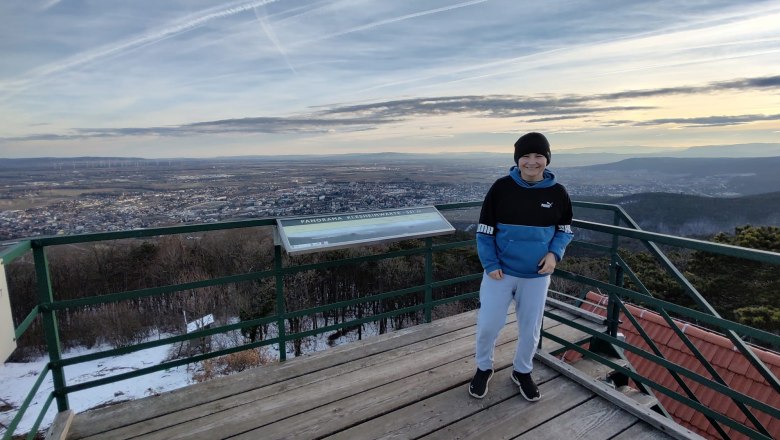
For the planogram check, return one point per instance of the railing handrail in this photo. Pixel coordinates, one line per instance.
(729, 250)
(21, 246)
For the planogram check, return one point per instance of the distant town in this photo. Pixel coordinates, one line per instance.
(50, 202)
(52, 197)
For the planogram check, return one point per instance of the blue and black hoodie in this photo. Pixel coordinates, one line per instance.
(521, 222)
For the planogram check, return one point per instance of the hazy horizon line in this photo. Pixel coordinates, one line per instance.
(643, 151)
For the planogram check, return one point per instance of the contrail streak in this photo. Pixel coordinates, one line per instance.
(263, 20)
(48, 5)
(388, 21)
(676, 33)
(9, 88)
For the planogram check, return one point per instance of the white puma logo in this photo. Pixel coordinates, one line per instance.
(547, 205)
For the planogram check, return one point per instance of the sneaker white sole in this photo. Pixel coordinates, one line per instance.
(477, 396)
(534, 399)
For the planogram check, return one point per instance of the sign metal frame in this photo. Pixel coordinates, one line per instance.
(316, 233)
(7, 340)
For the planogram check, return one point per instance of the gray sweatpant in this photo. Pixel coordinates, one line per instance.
(495, 296)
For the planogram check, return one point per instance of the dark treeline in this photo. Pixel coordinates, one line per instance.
(94, 269)
(740, 291)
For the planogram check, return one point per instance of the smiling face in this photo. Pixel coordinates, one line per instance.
(532, 166)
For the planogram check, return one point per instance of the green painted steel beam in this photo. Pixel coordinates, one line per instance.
(459, 205)
(428, 278)
(26, 403)
(428, 250)
(656, 304)
(706, 411)
(50, 326)
(25, 324)
(155, 291)
(595, 205)
(14, 251)
(55, 240)
(161, 342)
(671, 366)
(689, 243)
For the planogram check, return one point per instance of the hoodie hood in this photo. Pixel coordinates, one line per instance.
(548, 179)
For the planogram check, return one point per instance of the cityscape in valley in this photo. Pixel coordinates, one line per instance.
(50, 196)
(99, 198)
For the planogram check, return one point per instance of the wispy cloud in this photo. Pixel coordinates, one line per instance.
(369, 116)
(710, 121)
(760, 83)
(234, 126)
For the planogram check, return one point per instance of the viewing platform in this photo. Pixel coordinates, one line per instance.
(605, 369)
(410, 383)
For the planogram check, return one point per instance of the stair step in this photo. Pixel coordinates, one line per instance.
(643, 399)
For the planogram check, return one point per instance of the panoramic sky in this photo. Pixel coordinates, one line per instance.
(199, 78)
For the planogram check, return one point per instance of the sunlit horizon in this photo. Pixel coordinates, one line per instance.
(216, 78)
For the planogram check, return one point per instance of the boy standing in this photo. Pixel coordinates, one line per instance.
(524, 228)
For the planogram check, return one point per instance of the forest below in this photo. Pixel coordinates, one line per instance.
(739, 290)
(698, 216)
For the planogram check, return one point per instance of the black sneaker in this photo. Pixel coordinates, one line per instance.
(528, 388)
(479, 384)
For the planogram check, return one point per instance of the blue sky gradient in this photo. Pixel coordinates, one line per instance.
(201, 78)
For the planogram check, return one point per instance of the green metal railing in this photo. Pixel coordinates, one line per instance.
(48, 306)
(707, 315)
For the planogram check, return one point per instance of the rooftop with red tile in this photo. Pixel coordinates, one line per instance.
(732, 366)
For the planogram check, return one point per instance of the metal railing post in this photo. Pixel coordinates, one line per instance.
(428, 278)
(50, 327)
(615, 278)
(281, 309)
(613, 308)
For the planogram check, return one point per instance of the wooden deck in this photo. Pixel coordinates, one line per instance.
(408, 384)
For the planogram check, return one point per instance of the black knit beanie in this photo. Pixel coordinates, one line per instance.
(532, 143)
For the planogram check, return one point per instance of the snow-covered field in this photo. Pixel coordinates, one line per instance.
(17, 379)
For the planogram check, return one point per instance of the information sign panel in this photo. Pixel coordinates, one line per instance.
(7, 340)
(333, 231)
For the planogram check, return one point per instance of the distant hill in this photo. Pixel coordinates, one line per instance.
(574, 157)
(695, 166)
(707, 176)
(688, 215)
(737, 150)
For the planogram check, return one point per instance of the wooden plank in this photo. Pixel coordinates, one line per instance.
(515, 415)
(596, 369)
(385, 368)
(443, 409)
(277, 408)
(61, 426)
(618, 399)
(104, 419)
(280, 392)
(568, 333)
(642, 398)
(590, 316)
(596, 419)
(641, 431)
(294, 401)
(413, 380)
(383, 400)
(404, 423)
